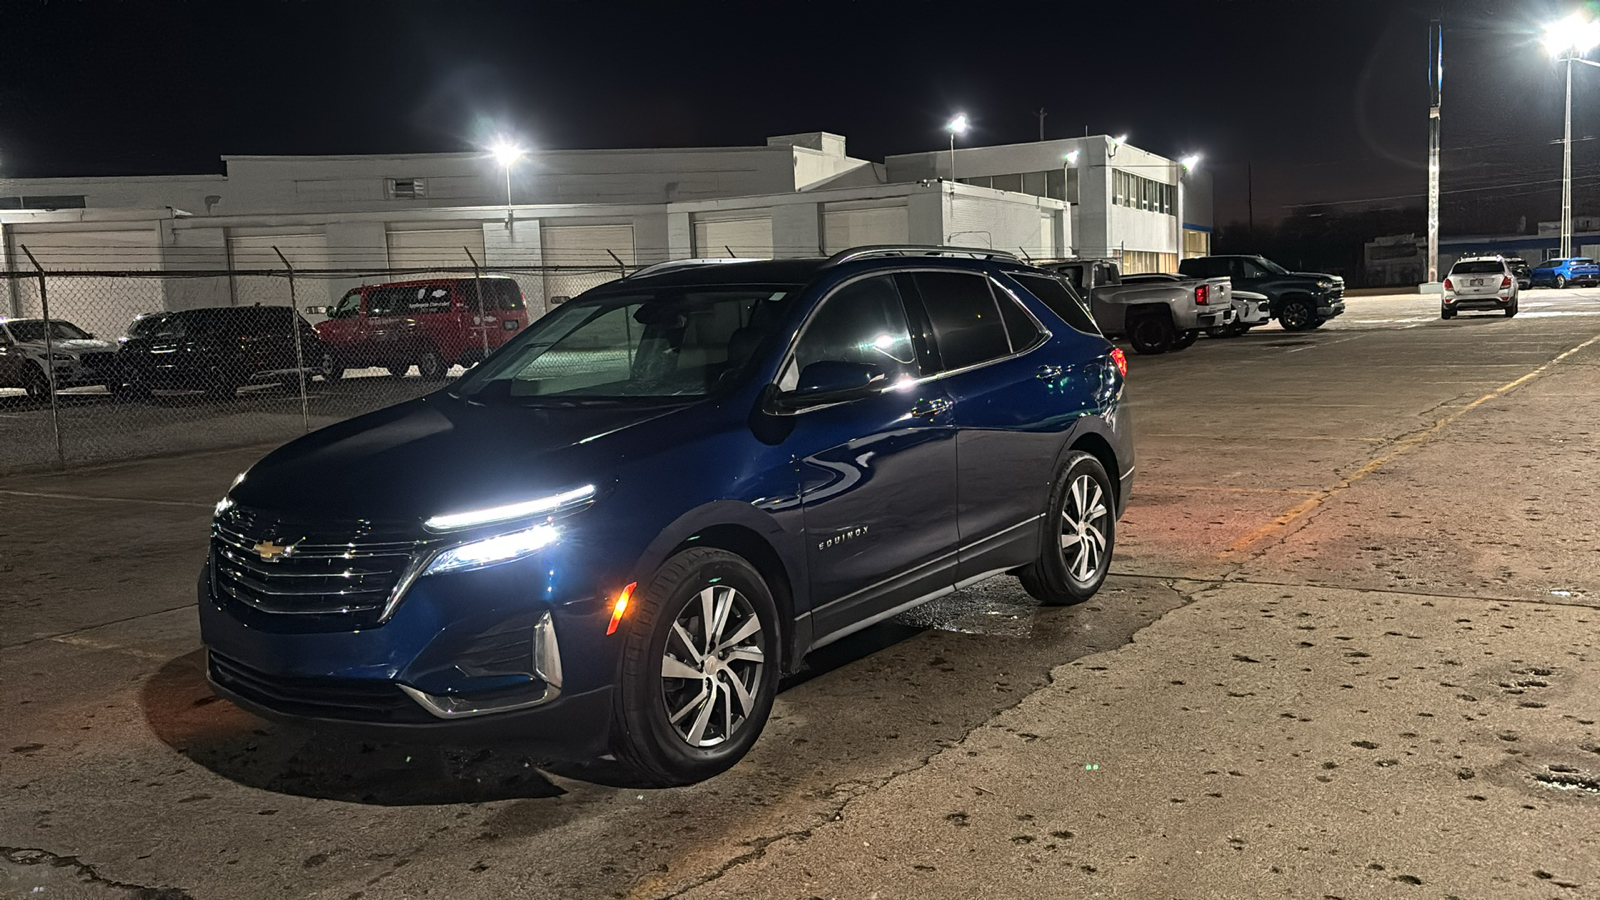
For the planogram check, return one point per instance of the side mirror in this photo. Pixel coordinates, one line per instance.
(830, 381)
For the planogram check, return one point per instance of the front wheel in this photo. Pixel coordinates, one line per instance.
(431, 365)
(1296, 315)
(332, 369)
(1080, 533)
(36, 383)
(1152, 334)
(699, 668)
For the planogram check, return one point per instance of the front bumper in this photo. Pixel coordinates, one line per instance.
(476, 656)
(1253, 314)
(1328, 307)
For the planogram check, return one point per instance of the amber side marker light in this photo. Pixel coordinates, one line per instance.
(620, 607)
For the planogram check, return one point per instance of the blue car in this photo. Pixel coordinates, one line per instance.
(617, 533)
(1559, 273)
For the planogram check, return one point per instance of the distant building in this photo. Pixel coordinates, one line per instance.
(1402, 259)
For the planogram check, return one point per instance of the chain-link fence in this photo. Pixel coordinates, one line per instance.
(99, 366)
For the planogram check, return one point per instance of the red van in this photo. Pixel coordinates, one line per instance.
(432, 324)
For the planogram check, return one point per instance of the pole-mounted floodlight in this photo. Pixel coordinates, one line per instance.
(1568, 40)
(506, 154)
(1190, 161)
(956, 126)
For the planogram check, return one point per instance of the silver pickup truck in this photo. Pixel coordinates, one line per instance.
(1156, 316)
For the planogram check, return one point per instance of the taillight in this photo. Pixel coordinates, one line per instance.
(1505, 282)
(1121, 359)
(1448, 286)
(1202, 295)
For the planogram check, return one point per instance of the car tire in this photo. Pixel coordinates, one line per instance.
(397, 371)
(1446, 313)
(666, 631)
(431, 366)
(1152, 333)
(1221, 331)
(1296, 315)
(36, 382)
(1079, 537)
(1561, 282)
(1512, 309)
(332, 369)
(1186, 339)
(1316, 323)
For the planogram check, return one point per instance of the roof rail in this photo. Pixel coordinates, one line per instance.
(658, 268)
(856, 253)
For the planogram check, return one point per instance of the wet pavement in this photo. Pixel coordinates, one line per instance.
(1349, 650)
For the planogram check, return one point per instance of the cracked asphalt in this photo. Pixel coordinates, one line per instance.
(1349, 649)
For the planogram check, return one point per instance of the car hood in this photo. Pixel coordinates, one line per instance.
(1322, 275)
(439, 454)
(87, 345)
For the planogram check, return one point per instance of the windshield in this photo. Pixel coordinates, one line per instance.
(24, 332)
(1271, 266)
(668, 343)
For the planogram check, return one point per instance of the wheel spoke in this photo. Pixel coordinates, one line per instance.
(746, 701)
(1077, 498)
(1086, 562)
(751, 626)
(697, 731)
(1094, 504)
(672, 667)
(724, 607)
(677, 717)
(1096, 539)
(727, 704)
(1099, 512)
(688, 642)
(708, 613)
(747, 654)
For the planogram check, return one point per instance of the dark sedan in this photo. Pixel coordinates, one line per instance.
(217, 350)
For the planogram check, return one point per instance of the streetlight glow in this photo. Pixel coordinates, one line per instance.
(958, 125)
(1120, 139)
(1190, 161)
(1577, 34)
(506, 153)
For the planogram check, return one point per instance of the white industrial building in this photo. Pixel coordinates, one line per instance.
(596, 210)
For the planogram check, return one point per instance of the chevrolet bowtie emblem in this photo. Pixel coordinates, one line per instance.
(270, 552)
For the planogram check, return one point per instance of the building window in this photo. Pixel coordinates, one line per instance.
(43, 201)
(1196, 243)
(1138, 192)
(1011, 183)
(980, 181)
(407, 188)
(1055, 184)
(1142, 262)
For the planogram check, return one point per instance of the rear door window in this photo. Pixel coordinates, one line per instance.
(1062, 299)
(428, 298)
(498, 293)
(967, 327)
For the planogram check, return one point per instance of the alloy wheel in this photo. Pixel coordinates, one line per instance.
(1295, 315)
(1083, 540)
(711, 667)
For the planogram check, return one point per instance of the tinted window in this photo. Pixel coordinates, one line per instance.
(1020, 327)
(966, 322)
(1062, 299)
(347, 307)
(862, 322)
(498, 293)
(59, 331)
(1484, 267)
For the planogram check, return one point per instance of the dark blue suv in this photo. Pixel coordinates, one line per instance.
(614, 536)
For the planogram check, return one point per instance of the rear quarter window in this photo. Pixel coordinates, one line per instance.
(1061, 297)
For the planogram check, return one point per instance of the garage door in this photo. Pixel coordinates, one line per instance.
(101, 304)
(739, 237)
(306, 251)
(844, 227)
(580, 252)
(421, 251)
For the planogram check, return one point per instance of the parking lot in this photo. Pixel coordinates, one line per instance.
(1350, 648)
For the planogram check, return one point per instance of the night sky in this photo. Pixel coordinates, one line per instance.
(1325, 101)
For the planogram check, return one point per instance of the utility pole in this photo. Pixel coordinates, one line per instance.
(1435, 92)
(1250, 194)
(1041, 114)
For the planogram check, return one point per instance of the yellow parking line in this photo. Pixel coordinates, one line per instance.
(1400, 448)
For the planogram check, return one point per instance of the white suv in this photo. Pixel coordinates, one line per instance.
(1479, 282)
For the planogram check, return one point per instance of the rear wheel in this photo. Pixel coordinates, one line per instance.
(1561, 282)
(1512, 309)
(699, 668)
(398, 371)
(1079, 535)
(36, 382)
(1220, 331)
(332, 368)
(1296, 315)
(431, 365)
(1152, 333)
(1446, 313)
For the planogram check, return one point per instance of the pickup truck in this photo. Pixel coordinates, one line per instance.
(1249, 310)
(1156, 316)
(1300, 301)
(1559, 273)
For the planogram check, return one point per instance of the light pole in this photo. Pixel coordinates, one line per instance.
(1568, 40)
(958, 125)
(506, 154)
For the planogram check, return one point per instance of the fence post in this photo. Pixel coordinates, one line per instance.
(299, 351)
(622, 267)
(49, 359)
(483, 323)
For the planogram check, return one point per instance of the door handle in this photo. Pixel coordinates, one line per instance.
(1046, 373)
(927, 409)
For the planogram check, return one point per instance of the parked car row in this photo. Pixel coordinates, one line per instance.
(431, 324)
(1223, 296)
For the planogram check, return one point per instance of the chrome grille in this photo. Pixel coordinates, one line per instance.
(314, 570)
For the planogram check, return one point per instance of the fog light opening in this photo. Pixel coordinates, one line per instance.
(620, 607)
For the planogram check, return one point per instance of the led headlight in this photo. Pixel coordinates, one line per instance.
(524, 510)
(492, 551)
